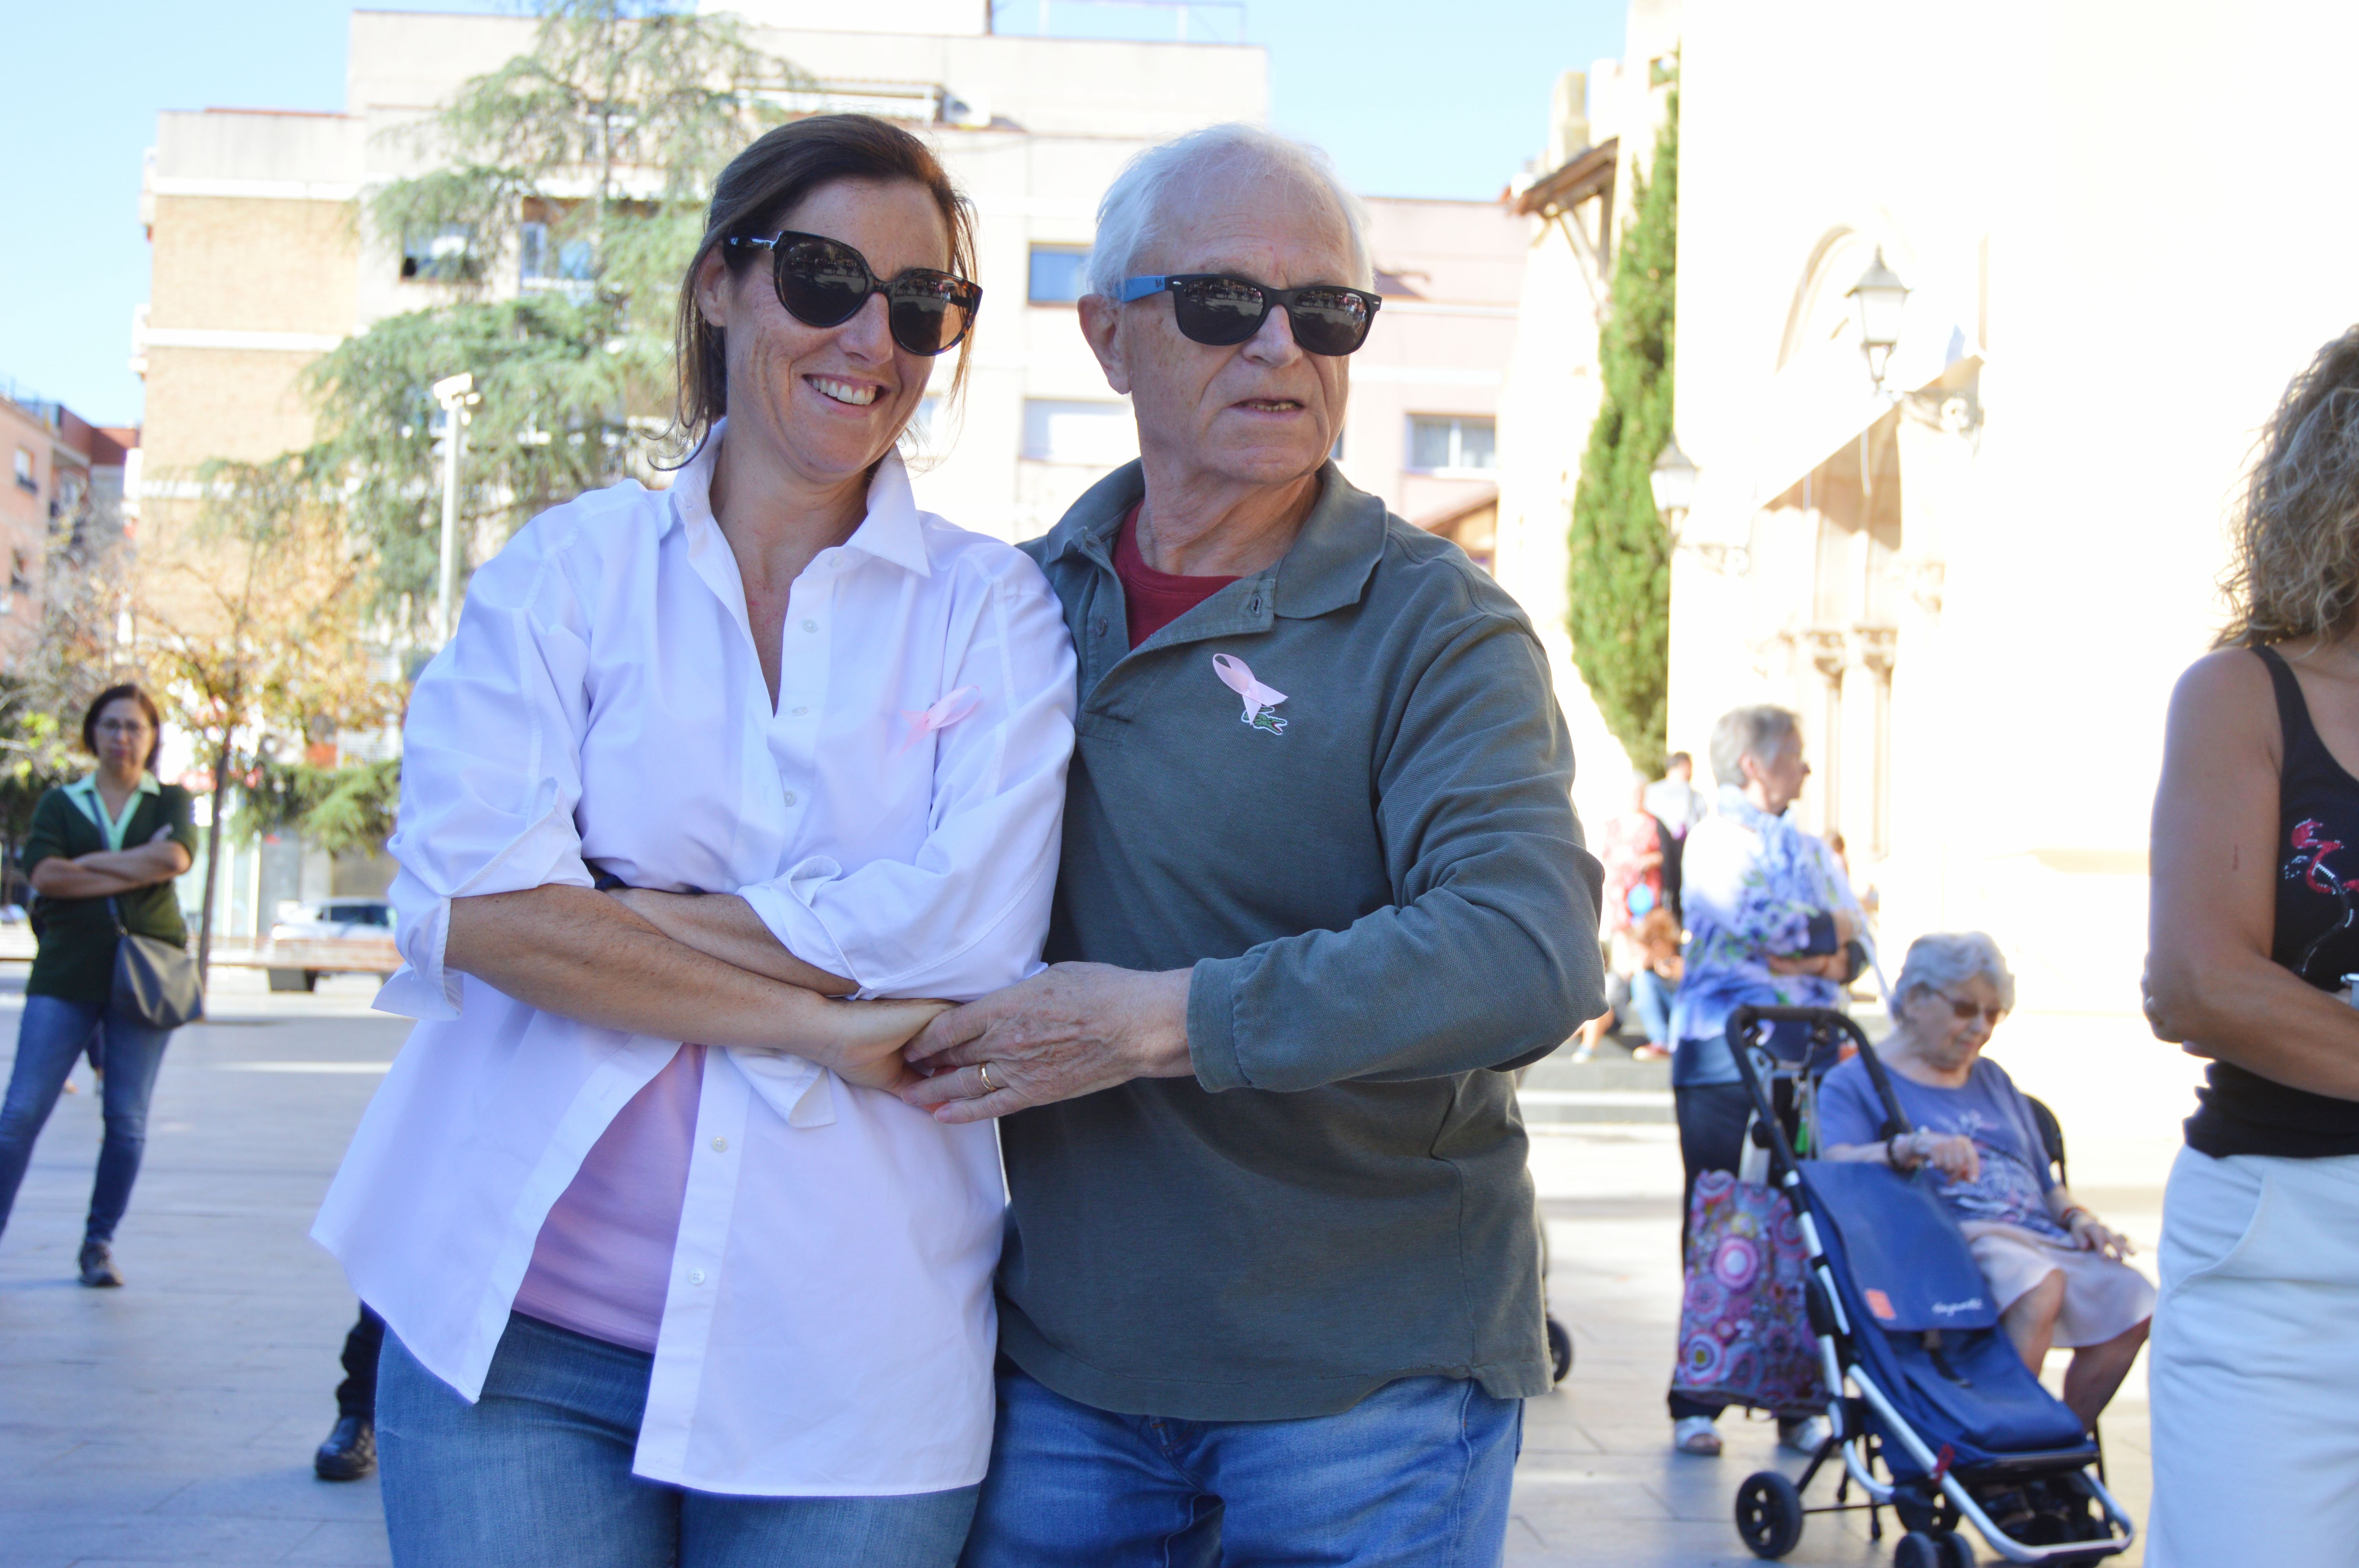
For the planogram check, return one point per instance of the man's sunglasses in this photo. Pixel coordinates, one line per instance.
(824, 282)
(1213, 309)
(1966, 1012)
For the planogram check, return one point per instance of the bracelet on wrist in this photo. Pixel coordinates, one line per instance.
(2074, 1212)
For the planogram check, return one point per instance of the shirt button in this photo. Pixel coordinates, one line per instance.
(790, 798)
(1098, 630)
(720, 1146)
(809, 624)
(696, 1276)
(800, 711)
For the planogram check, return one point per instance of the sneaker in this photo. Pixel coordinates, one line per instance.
(98, 1270)
(1695, 1435)
(1804, 1437)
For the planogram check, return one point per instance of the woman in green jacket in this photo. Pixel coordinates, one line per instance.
(87, 880)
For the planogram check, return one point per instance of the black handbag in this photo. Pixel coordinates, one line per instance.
(154, 982)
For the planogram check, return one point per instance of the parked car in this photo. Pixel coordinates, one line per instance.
(359, 930)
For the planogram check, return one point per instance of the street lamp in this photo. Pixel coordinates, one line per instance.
(455, 394)
(1879, 298)
(1674, 484)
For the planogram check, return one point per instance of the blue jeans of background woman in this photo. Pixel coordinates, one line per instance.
(50, 1039)
(537, 1474)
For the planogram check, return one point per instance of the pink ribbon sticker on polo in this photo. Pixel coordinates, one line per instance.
(1238, 676)
(952, 708)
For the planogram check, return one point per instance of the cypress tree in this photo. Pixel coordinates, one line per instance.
(1620, 567)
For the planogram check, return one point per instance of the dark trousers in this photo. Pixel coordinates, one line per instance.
(356, 1395)
(1712, 1119)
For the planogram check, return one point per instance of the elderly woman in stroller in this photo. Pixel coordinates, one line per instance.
(2055, 1270)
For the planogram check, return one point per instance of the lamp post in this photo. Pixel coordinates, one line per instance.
(455, 394)
(1673, 482)
(1879, 296)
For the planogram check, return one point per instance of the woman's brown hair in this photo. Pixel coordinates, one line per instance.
(107, 698)
(2294, 571)
(763, 184)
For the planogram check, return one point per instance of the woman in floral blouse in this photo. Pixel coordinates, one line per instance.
(1771, 921)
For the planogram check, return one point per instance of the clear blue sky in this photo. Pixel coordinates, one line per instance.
(1413, 97)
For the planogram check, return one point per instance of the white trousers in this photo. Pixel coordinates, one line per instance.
(2254, 1366)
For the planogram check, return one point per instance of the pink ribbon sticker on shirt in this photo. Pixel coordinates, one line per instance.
(952, 708)
(1238, 676)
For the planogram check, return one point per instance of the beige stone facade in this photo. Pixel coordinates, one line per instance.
(1978, 584)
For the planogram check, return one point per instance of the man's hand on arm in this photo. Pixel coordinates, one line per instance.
(1069, 1031)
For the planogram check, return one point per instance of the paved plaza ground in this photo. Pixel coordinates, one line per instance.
(173, 1421)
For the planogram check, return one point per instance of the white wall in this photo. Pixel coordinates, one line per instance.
(2130, 215)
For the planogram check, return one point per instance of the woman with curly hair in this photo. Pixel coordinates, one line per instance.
(2253, 950)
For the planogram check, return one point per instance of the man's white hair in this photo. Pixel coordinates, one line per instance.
(1155, 187)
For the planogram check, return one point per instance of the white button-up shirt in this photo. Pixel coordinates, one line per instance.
(829, 1326)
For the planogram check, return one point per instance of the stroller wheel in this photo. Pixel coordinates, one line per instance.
(1769, 1514)
(1918, 1548)
(1952, 1549)
(1560, 1341)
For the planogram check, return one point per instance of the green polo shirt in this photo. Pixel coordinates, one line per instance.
(76, 960)
(1355, 829)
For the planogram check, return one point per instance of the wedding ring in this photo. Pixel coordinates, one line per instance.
(983, 1071)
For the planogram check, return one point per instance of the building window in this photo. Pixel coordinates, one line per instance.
(1446, 443)
(1058, 274)
(564, 268)
(445, 255)
(24, 479)
(1099, 434)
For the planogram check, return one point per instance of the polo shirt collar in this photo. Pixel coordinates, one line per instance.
(86, 787)
(891, 531)
(1328, 567)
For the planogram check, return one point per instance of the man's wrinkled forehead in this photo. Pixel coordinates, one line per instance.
(1239, 214)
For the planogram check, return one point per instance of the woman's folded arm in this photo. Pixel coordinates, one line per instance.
(584, 955)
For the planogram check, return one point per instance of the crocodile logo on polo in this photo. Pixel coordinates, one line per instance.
(1259, 700)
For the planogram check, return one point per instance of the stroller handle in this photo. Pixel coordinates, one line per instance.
(1824, 1023)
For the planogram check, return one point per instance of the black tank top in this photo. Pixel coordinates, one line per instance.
(2317, 938)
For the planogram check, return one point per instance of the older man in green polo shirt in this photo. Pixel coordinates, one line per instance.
(1271, 1289)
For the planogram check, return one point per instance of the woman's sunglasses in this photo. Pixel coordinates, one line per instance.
(824, 282)
(1967, 1011)
(1211, 308)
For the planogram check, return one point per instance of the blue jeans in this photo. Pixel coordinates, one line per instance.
(50, 1038)
(1414, 1475)
(537, 1474)
(1650, 999)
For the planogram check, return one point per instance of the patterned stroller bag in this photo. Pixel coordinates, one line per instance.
(1745, 1332)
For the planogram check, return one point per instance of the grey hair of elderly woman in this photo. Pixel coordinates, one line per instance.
(1181, 172)
(1943, 960)
(1745, 732)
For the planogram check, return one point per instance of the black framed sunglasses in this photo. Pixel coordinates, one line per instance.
(824, 282)
(1213, 308)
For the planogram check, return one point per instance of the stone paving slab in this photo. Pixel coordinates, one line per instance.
(173, 1421)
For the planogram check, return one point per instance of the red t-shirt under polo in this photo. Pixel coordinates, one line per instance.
(1153, 599)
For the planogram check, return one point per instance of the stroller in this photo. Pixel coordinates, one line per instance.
(1941, 1404)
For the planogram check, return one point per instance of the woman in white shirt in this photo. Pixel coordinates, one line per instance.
(728, 1300)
